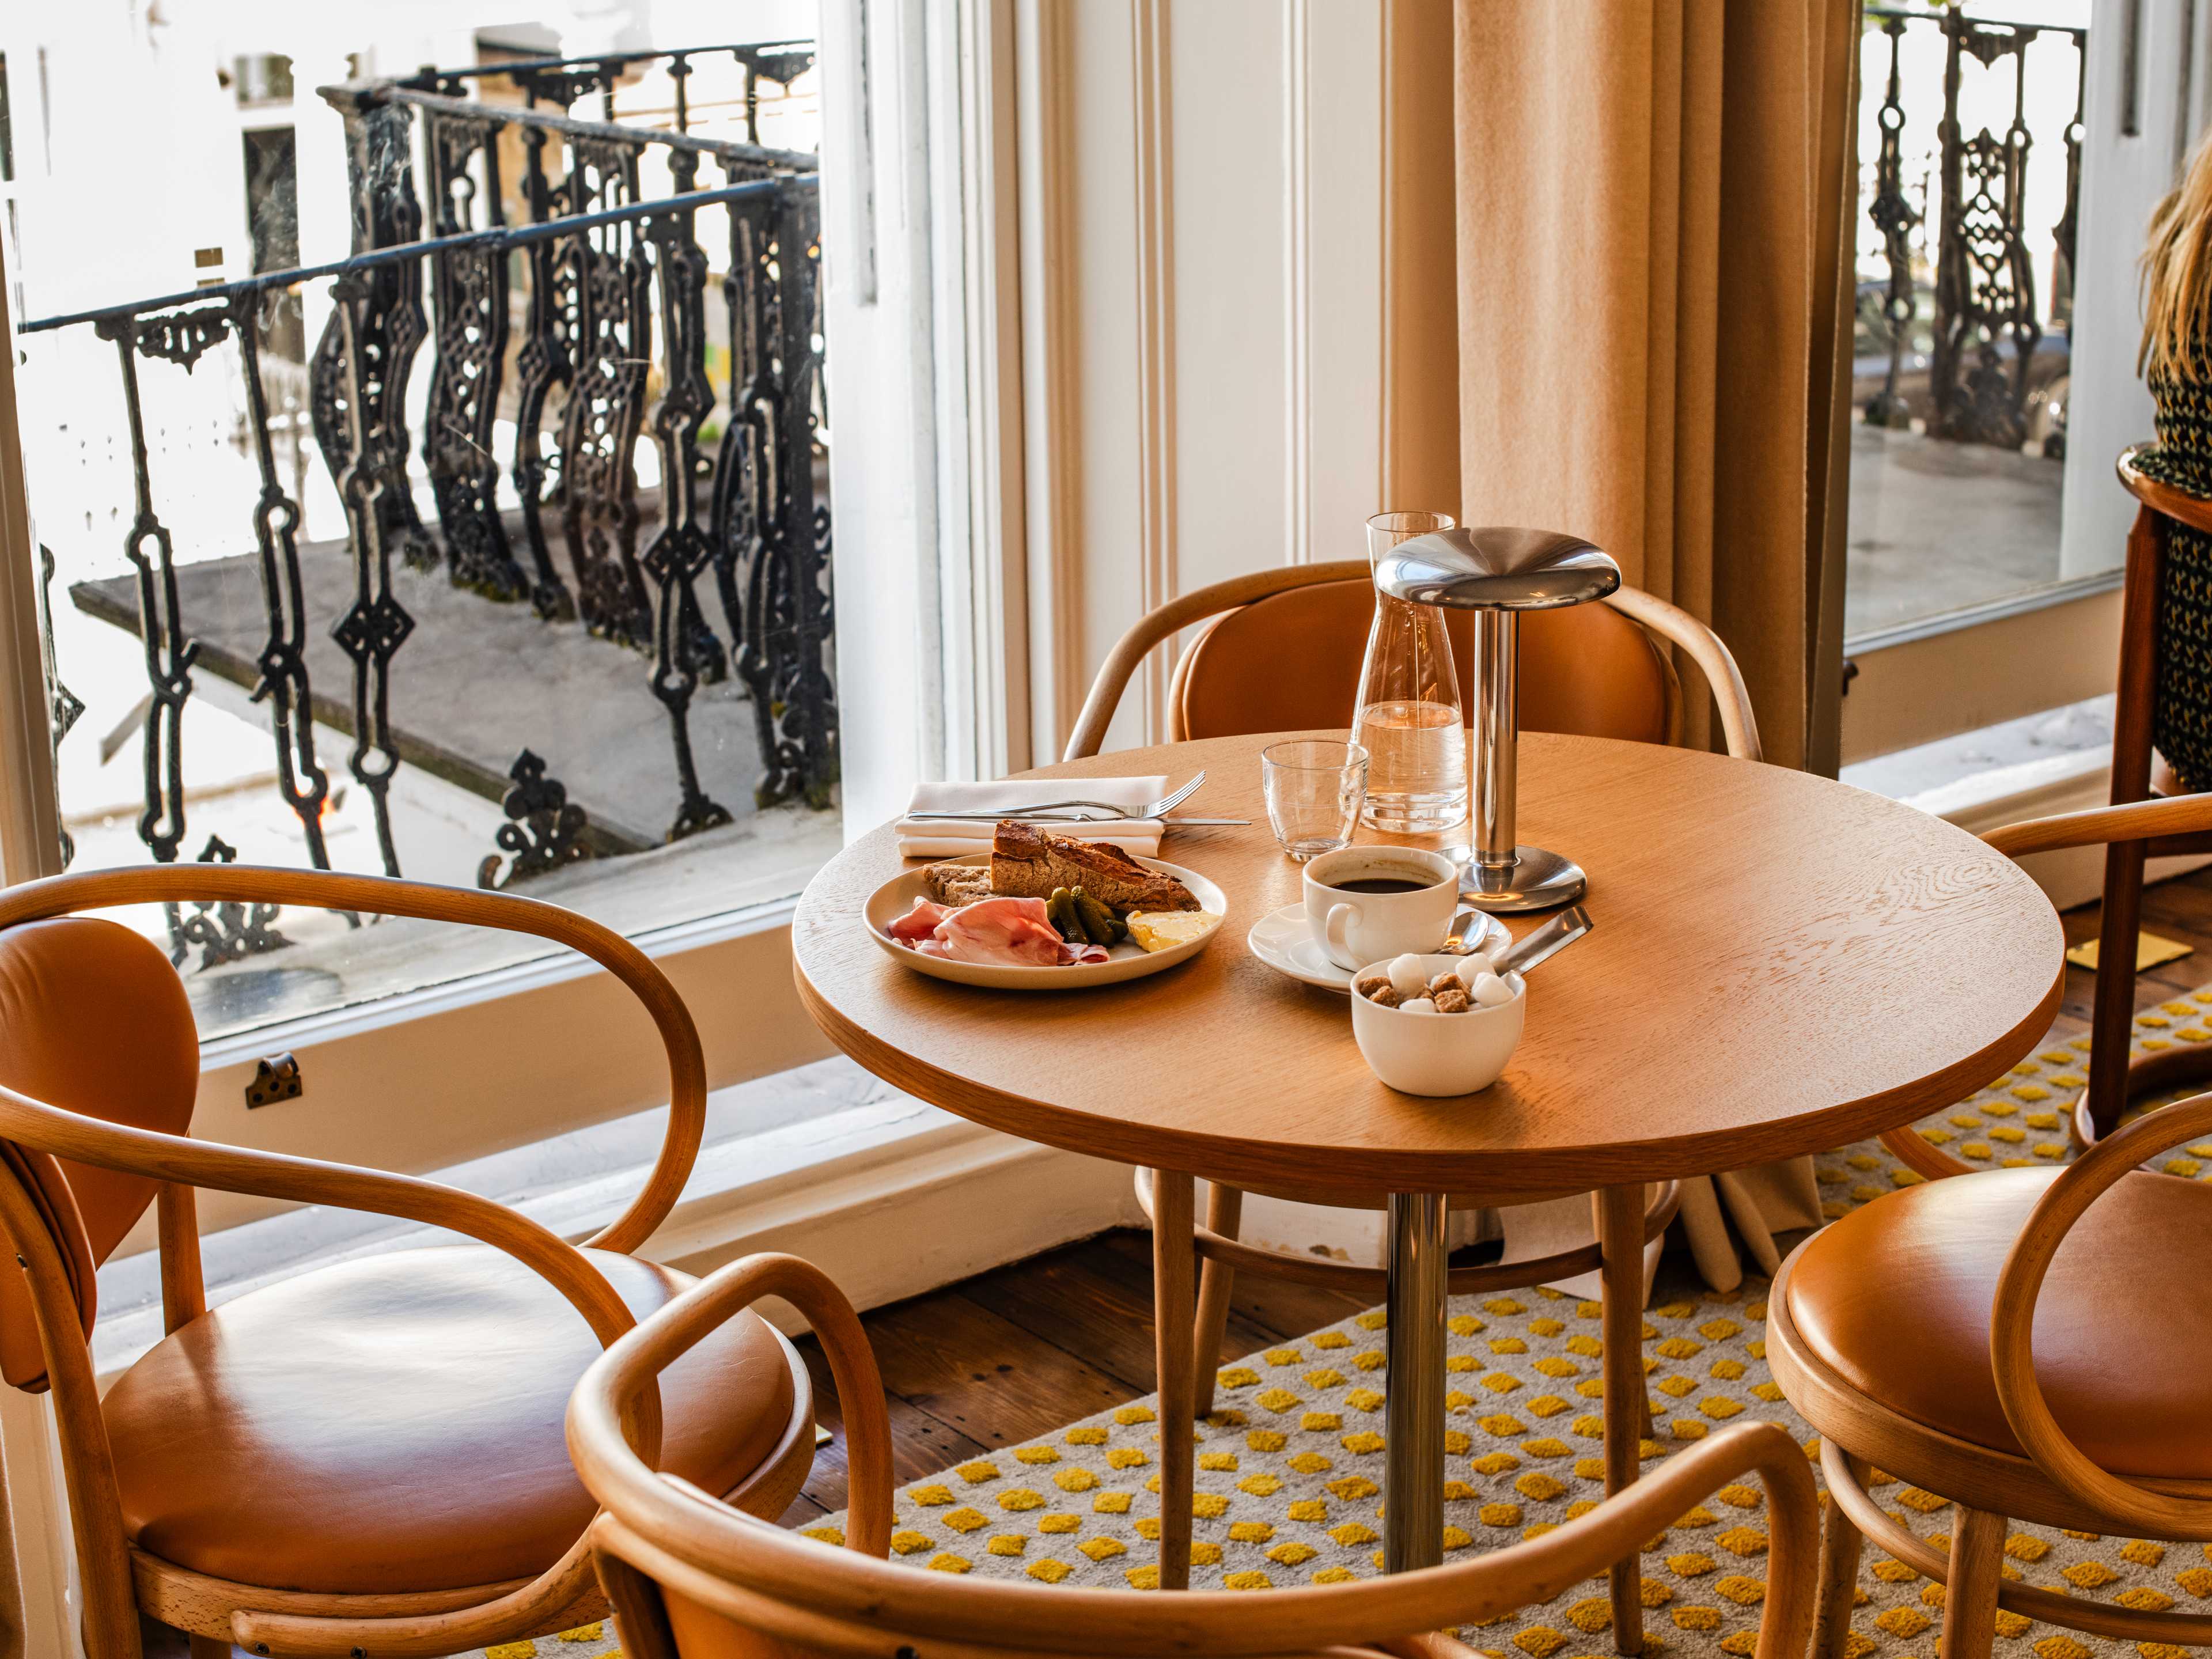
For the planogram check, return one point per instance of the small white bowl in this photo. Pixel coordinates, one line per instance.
(1428, 1053)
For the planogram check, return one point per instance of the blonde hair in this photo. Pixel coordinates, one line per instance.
(2177, 274)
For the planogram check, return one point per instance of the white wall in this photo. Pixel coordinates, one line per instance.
(1220, 286)
(2123, 175)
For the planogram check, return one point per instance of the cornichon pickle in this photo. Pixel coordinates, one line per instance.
(1081, 912)
(1082, 933)
(1060, 910)
(1097, 919)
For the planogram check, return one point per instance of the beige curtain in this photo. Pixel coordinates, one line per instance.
(1652, 197)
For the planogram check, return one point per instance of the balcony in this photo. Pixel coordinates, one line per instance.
(569, 624)
(1970, 195)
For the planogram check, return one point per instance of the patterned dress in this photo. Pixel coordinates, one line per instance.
(2182, 724)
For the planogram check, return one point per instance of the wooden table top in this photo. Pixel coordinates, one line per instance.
(1781, 963)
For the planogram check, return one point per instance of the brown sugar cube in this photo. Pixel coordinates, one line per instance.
(1453, 1002)
(1373, 983)
(1445, 981)
(1385, 995)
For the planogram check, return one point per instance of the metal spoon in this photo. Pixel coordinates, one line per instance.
(1555, 935)
(1468, 930)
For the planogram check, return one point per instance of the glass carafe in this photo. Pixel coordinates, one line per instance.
(1408, 716)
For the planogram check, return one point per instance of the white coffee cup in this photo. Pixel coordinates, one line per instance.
(1353, 928)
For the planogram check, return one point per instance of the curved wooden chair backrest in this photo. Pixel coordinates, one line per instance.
(99, 1069)
(1280, 650)
(93, 1018)
(2160, 497)
(691, 1578)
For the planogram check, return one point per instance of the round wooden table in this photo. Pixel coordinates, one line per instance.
(1780, 964)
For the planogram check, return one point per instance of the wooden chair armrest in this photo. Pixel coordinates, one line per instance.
(1923, 1156)
(784, 1585)
(613, 1471)
(1709, 652)
(1170, 619)
(2012, 1325)
(2098, 826)
(472, 907)
(174, 1159)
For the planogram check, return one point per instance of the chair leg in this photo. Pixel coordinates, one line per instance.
(210, 1647)
(2134, 703)
(2113, 1015)
(1839, 1576)
(1620, 1241)
(1174, 1313)
(1970, 1596)
(1224, 1214)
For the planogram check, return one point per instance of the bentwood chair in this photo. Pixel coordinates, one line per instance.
(1598, 669)
(1990, 1337)
(691, 1578)
(2147, 650)
(366, 1458)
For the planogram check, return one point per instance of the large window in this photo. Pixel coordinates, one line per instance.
(2011, 152)
(1970, 125)
(498, 558)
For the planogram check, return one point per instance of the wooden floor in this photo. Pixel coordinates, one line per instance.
(1013, 1353)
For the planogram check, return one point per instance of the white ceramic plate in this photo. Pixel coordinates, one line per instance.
(1128, 960)
(1283, 941)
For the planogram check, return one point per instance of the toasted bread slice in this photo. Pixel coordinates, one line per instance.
(957, 883)
(1027, 862)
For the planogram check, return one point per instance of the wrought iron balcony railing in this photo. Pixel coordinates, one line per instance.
(734, 576)
(1986, 325)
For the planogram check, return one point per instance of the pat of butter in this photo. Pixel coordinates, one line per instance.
(1157, 930)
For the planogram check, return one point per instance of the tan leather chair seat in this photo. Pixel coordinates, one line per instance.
(396, 1423)
(1896, 1296)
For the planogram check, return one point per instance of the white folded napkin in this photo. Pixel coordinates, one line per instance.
(945, 839)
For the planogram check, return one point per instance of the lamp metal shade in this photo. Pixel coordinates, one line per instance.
(1497, 567)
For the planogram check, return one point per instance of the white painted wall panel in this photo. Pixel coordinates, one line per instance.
(1231, 98)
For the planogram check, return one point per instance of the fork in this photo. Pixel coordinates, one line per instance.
(1110, 813)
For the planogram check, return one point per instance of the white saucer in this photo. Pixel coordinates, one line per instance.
(1285, 943)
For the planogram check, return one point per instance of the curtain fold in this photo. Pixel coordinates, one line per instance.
(1653, 201)
(1652, 197)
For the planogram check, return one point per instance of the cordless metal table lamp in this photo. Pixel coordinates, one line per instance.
(1501, 572)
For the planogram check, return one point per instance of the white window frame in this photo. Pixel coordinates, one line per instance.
(922, 106)
(920, 103)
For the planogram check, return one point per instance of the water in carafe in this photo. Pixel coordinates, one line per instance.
(1408, 717)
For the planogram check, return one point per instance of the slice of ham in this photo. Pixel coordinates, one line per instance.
(1009, 931)
(919, 923)
(1013, 932)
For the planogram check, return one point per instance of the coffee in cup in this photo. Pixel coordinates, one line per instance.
(1367, 904)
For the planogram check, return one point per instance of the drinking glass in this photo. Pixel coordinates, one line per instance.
(1314, 790)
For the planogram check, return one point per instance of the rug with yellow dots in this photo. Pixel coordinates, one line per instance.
(1289, 1467)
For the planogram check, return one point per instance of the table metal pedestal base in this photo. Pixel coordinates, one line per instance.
(1413, 1478)
(1413, 1462)
(1537, 880)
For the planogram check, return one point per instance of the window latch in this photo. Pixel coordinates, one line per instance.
(276, 1077)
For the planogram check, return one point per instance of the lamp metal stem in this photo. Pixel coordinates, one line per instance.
(1497, 721)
